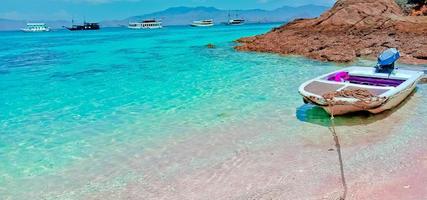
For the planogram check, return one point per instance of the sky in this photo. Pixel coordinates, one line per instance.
(97, 10)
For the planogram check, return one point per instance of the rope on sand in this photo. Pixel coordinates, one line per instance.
(365, 97)
(338, 146)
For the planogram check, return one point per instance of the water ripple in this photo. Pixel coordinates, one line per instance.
(76, 75)
(32, 58)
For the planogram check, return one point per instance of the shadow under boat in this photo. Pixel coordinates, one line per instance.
(316, 115)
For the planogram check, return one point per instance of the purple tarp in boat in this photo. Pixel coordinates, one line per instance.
(363, 80)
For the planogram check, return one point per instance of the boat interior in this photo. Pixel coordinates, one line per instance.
(320, 88)
(348, 81)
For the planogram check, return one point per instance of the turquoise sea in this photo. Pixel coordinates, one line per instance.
(81, 110)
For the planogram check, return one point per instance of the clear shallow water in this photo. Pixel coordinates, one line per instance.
(71, 98)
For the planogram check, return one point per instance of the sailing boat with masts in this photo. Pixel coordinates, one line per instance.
(86, 26)
(235, 21)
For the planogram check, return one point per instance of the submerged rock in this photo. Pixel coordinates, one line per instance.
(210, 46)
(350, 29)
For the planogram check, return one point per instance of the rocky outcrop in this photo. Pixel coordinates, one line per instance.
(350, 29)
(420, 10)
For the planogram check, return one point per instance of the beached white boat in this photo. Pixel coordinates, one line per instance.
(362, 88)
(203, 23)
(36, 27)
(146, 24)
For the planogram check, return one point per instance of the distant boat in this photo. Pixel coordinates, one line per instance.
(362, 88)
(36, 27)
(86, 26)
(146, 24)
(235, 22)
(203, 23)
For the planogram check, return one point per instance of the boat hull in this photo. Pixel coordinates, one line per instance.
(34, 31)
(83, 29)
(139, 28)
(374, 108)
(201, 25)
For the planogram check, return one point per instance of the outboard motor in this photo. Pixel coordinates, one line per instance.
(386, 61)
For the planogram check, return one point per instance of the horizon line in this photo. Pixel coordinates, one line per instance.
(220, 9)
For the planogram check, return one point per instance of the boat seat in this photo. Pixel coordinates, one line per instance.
(320, 88)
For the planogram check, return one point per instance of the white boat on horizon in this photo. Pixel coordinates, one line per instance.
(236, 22)
(356, 89)
(146, 24)
(203, 23)
(36, 27)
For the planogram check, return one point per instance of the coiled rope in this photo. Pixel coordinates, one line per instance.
(365, 97)
(360, 94)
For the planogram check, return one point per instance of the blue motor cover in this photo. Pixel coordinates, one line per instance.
(388, 57)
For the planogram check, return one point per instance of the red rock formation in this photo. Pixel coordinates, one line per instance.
(420, 11)
(351, 29)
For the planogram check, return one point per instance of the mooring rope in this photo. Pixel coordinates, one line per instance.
(338, 147)
(361, 95)
(365, 98)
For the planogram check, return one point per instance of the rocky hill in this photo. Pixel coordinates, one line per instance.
(350, 29)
